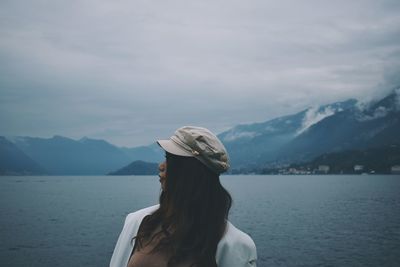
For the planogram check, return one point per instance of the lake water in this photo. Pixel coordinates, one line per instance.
(294, 220)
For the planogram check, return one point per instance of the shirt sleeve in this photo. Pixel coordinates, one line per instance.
(252, 262)
(236, 249)
(123, 245)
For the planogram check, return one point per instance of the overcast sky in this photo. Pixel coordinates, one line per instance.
(133, 71)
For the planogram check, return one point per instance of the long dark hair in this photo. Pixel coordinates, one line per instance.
(193, 211)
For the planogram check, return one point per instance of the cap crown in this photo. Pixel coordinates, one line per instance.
(204, 145)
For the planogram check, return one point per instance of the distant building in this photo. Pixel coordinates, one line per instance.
(323, 169)
(358, 168)
(395, 169)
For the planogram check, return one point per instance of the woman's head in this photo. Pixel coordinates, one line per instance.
(195, 157)
(200, 143)
(194, 207)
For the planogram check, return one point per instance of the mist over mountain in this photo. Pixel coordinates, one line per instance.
(314, 131)
(374, 125)
(254, 144)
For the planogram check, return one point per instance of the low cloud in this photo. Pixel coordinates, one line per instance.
(233, 135)
(315, 115)
(379, 112)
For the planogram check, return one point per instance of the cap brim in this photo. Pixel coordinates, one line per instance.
(171, 147)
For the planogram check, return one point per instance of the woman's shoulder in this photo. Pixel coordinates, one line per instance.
(140, 214)
(124, 246)
(236, 248)
(235, 236)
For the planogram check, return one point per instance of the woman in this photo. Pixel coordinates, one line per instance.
(189, 227)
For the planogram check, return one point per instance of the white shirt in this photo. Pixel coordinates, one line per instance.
(235, 249)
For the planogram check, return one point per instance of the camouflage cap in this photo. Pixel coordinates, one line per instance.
(198, 142)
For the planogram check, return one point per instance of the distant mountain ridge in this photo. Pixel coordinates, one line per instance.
(64, 156)
(354, 128)
(299, 137)
(137, 167)
(150, 153)
(257, 143)
(303, 136)
(15, 162)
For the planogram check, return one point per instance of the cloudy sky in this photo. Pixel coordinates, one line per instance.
(133, 71)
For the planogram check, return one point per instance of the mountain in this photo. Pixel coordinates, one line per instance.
(150, 153)
(294, 138)
(374, 125)
(305, 135)
(15, 162)
(138, 168)
(253, 144)
(65, 156)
